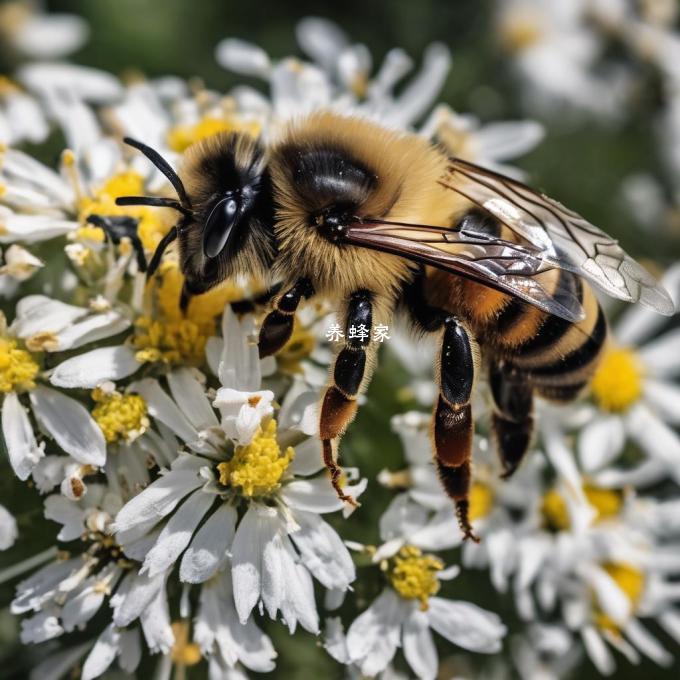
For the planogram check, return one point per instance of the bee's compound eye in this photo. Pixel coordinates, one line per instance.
(219, 226)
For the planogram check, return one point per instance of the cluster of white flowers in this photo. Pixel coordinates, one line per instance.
(184, 474)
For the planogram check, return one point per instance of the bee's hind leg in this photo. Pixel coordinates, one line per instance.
(512, 421)
(452, 424)
(350, 374)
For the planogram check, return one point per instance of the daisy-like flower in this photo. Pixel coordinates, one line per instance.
(253, 483)
(555, 50)
(634, 393)
(45, 325)
(405, 614)
(21, 116)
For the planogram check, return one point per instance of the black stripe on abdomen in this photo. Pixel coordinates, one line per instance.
(580, 357)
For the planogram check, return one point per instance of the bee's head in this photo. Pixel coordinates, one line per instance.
(225, 199)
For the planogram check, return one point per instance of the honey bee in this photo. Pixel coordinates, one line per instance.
(385, 222)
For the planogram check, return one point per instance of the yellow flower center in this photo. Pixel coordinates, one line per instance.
(414, 575)
(519, 30)
(606, 502)
(300, 346)
(617, 383)
(168, 335)
(184, 653)
(183, 136)
(631, 581)
(258, 467)
(120, 416)
(153, 222)
(18, 369)
(481, 501)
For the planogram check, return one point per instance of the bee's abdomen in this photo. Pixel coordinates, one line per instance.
(557, 356)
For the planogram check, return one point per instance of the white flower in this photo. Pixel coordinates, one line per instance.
(406, 612)
(635, 394)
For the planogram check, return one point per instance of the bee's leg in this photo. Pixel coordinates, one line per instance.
(512, 420)
(351, 371)
(257, 302)
(277, 326)
(452, 425)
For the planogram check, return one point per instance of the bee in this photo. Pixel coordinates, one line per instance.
(385, 222)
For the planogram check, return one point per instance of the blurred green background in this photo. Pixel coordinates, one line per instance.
(582, 163)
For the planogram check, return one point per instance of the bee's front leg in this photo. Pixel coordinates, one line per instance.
(277, 326)
(350, 374)
(452, 424)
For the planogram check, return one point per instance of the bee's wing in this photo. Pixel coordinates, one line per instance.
(563, 237)
(499, 264)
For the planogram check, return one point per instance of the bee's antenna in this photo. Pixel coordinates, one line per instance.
(160, 249)
(164, 167)
(155, 201)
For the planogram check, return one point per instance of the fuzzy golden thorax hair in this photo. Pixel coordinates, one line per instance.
(212, 168)
(327, 161)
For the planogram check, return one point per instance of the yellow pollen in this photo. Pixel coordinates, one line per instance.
(606, 502)
(254, 400)
(414, 575)
(258, 467)
(120, 416)
(481, 501)
(519, 31)
(17, 368)
(631, 581)
(300, 346)
(168, 335)
(184, 653)
(183, 136)
(7, 86)
(617, 383)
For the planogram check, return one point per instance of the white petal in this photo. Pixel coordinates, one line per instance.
(80, 609)
(308, 458)
(84, 82)
(177, 533)
(373, 637)
(655, 437)
(321, 39)
(190, 396)
(164, 409)
(155, 620)
(38, 313)
(597, 651)
(129, 649)
(242, 57)
(95, 327)
(95, 367)
(613, 601)
(664, 397)
(71, 426)
(102, 655)
(135, 594)
(208, 550)
(8, 529)
(317, 495)
(419, 648)
(22, 447)
(41, 627)
(647, 643)
(323, 552)
(601, 442)
(255, 530)
(50, 36)
(466, 625)
(501, 141)
(240, 361)
(661, 356)
(159, 499)
(67, 513)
